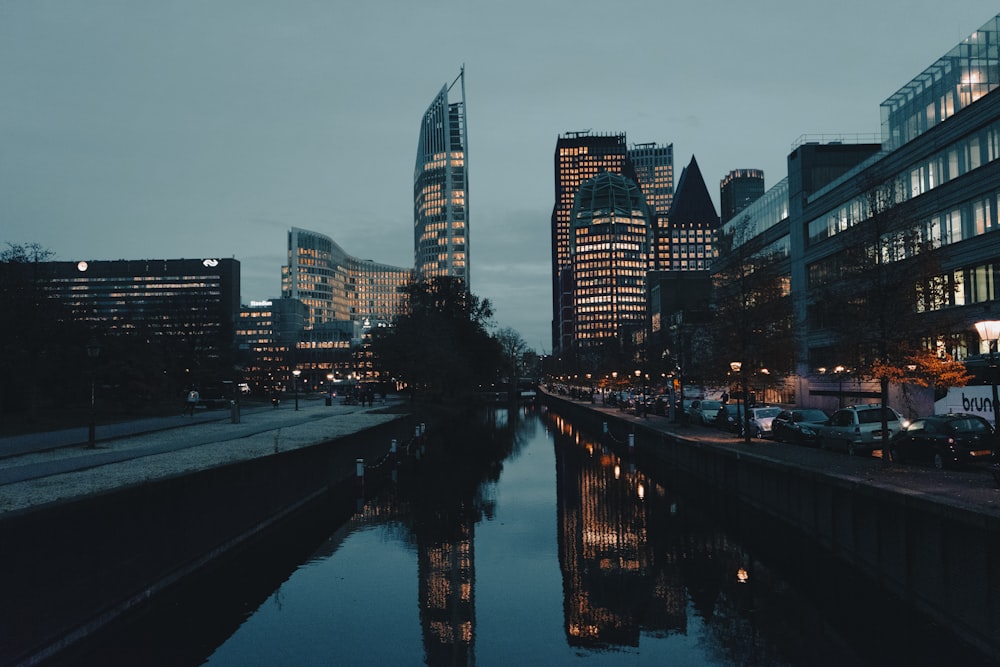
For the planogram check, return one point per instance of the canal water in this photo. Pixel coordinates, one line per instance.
(518, 539)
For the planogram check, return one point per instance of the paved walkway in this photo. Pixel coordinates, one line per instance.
(151, 448)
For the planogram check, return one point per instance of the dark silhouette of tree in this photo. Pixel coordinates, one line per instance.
(753, 321)
(441, 345)
(42, 352)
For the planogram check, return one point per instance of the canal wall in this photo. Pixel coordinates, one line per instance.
(68, 569)
(941, 557)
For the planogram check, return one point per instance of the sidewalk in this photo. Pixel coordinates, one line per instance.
(48, 470)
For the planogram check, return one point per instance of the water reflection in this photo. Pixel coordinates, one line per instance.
(457, 560)
(635, 563)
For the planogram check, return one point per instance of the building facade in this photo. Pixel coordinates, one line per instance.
(610, 245)
(939, 160)
(654, 170)
(441, 188)
(739, 189)
(338, 287)
(579, 156)
(185, 303)
(692, 229)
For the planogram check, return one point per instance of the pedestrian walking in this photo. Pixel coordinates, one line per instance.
(191, 401)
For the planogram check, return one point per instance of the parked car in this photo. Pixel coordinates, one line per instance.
(703, 411)
(726, 418)
(800, 425)
(857, 429)
(946, 440)
(760, 420)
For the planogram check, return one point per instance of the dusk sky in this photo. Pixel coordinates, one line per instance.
(159, 129)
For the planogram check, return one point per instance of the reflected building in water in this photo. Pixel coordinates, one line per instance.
(446, 570)
(616, 583)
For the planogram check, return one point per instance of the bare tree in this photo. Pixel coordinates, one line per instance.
(882, 288)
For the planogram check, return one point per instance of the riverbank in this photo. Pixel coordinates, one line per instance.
(928, 537)
(89, 534)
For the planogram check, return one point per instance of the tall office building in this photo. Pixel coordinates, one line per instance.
(609, 250)
(654, 169)
(579, 156)
(336, 286)
(739, 189)
(440, 189)
(693, 226)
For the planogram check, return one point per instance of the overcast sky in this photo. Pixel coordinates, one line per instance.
(196, 128)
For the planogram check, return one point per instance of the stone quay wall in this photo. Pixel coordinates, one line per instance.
(70, 568)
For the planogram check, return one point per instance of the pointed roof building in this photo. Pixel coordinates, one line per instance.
(693, 225)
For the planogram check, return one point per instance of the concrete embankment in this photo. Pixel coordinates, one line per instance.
(70, 567)
(939, 554)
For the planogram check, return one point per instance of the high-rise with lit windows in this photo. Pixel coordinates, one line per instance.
(579, 156)
(739, 189)
(654, 170)
(609, 249)
(694, 225)
(440, 189)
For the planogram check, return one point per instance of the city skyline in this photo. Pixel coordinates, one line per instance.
(137, 130)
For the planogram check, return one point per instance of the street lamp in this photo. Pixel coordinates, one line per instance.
(839, 372)
(737, 367)
(989, 331)
(295, 380)
(93, 351)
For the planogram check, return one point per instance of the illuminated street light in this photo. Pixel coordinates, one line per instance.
(737, 367)
(295, 381)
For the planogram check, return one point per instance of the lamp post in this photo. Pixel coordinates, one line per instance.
(93, 351)
(295, 381)
(737, 367)
(989, 331)
(839, 372)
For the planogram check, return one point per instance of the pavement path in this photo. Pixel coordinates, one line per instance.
(44, 467)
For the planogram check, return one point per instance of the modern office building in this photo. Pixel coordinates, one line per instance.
(693, 225)
(336, 286)
(578, 156)
(654, 170)
(610, 245)
(739, 189)
(190, 305)
(441, 189)
(266, 335)
(939, 156)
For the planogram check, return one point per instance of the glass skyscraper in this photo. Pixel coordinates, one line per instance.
(610, 250)
(440, 190)
(654, 169)
(579, 156)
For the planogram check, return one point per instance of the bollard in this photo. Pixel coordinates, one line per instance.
(234, 410)
(359, 479)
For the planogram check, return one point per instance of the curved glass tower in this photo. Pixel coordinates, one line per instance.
(440, 190)
(610, 243)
